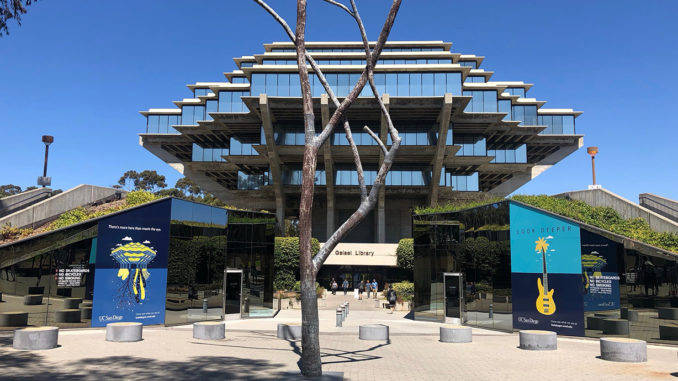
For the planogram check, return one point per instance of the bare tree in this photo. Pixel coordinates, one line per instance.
(309, 264)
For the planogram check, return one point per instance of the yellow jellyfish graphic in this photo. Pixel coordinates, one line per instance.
(134, 256)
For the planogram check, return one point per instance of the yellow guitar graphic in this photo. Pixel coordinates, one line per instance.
(545, 303)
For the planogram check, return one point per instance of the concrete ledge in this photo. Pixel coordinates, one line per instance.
(455, 334)
(124, 332)
(594, 322)
(209, 330)
(373, 332)
(290, 331)
(13, 319)
(33, 299)
(35, 338)
(535, 340)
(668, 313)
(668, 332)
(67, 316)
(85, 313)
(615, 327)
(72, 303)
(623, 349)
(86, 304)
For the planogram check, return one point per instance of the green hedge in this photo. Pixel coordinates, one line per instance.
(405, 254)
(404, 291)
(286, 261)
(604, 218)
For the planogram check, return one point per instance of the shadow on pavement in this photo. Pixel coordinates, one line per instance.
(29, 365)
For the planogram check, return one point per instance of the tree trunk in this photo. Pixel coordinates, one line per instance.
(310, 336)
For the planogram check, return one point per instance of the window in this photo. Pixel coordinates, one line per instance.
(460, 182)
(208, 154)
(509, 155)
(475, 79)
(162, 124)
(252, 181)
(190, 115)
(482, 101)
(231, 101)
(292, 176)
(238, 148)
(210, 106)
(519, 91)
(471, 145)
(202, 92)
(471, 64)
(557, 124)
(527, 115)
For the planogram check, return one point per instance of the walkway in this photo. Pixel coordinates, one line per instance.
(251, 351)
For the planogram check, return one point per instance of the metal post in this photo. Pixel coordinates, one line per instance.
(347, 308)
(593, 151)
(339, 317)
(343, 311)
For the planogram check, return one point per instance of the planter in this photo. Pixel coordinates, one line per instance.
(402, 306)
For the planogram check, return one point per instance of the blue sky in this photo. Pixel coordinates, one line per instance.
(81, 71)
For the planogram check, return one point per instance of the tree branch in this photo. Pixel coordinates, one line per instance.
(340, 5)
(376, 138)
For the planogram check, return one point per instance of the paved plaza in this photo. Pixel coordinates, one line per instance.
(252, 351)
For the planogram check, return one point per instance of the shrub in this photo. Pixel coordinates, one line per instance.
(405, 254)
(404, 291)
(9, 232)
(139, 197)
(286, 261)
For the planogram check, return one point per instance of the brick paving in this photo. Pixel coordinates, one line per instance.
(251, 351)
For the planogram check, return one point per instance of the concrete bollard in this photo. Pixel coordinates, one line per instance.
(35, 338)
(667, 313)
(343, 311)
(455, 334)
(13, 319)
(348, 309)
(32, 299)
(536, 340)
(373, 332)
(290, 331)
(623, 349)
(615, 327)
(124, 332)
(72, 303)
(340, 316)
(594, 323)
(85, 313)
(209, 330)
(67, 316)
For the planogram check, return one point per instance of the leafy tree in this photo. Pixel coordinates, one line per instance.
(405, 254)
(148, 180)
(12, 9)
(187, 186)
(9, 189)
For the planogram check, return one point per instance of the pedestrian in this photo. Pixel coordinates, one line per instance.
(334, 287)
(368, 285)
(391, 297)
(345, 286)
(361, 288)
(375, 288)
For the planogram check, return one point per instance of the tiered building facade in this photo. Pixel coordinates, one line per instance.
(463, 135)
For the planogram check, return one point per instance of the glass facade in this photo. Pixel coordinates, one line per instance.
(162, 124)
(557, 124)
(595, 278)
(526, 115)
(509, 155)
(51, 277)
(238, 148)
(519, 91)
(483, 101)
(190, 115)
(394, 84)
(208, 154)
(231, 101)
(471, 145)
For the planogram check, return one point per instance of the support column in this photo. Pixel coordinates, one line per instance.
(329, 166)
(381, 197)
(274, 164)
(437, 164)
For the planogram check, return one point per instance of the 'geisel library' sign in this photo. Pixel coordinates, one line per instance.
(364, 254)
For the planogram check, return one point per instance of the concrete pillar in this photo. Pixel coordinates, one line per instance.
(329, 166)
(274, 164)
(444, 125)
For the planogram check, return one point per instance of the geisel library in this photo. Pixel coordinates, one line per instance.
(463, 136)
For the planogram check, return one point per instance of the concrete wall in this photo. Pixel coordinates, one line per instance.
(626, 208)
(52, 207)
(11, 204)
(660, 205)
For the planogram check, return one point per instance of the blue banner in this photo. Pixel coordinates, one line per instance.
(546, 272)
(130, 279)
(599, 271)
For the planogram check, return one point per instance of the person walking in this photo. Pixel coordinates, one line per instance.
(361, 288)
(368, 287)
(391, 296)
(375, 288)
(334, 287)
(345, 286)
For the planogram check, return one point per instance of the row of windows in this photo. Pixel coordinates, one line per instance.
(395, 177)
(462, 183)
(231, 101)
(471, 145)
(350, 50)
(517, 155)
(361, 62)
(252, 181)
(208, 154)
(190, 115)
(557, 124)
(474, 79)
(519, 91)
(394, 84)
(239, 80)
(292, 176)
(162, 124)
(238, 148)
(483, 101)
(202, 92)
(526, 114)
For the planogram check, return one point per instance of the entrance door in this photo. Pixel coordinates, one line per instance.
(232, 291)
(454, 297)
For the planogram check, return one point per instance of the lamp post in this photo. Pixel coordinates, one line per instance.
(44, 180)
(593, 151)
